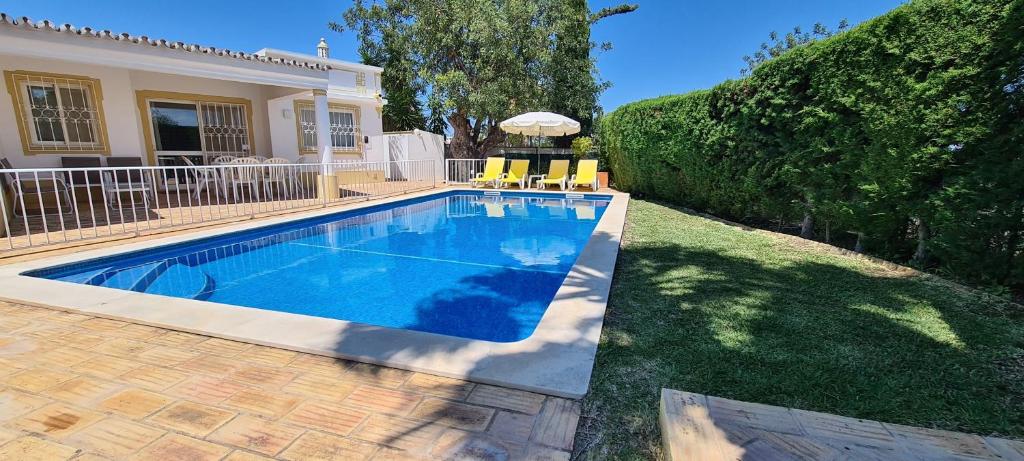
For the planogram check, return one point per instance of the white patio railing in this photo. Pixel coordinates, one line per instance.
(54, 205)
(461, 170)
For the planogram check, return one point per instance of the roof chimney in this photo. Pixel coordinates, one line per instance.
(321, 49)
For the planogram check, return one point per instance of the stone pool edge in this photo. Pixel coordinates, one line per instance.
(556, 360)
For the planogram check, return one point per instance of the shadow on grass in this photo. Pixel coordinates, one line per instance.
(710, 311)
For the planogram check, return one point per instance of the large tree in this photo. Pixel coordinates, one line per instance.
(477, 62)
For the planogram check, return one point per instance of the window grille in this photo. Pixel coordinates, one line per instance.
(58, 113)
(344, 128)
(225, 129)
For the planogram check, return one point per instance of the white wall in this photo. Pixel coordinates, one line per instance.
(119, 109)
(283, 134)
(274, 135)
(417, 145)
(256, 94)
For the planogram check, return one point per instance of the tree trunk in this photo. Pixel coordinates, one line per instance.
(859, 246)
(923, 234)
(807, 227)
(461, 145)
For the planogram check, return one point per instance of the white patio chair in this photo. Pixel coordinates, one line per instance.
(278, 173)
(244, 171)
(204, 177)
(259, 158)
(222, 159)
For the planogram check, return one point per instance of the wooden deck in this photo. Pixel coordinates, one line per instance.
(706, 428)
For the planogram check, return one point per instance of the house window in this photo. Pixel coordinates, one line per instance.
(195, 125)
(58, 113)
(344, 127)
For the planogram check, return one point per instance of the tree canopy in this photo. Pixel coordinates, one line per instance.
(473, 63)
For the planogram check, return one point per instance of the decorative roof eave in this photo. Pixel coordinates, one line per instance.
(142, 40)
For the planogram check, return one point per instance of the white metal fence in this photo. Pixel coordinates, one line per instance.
(54, 205)
(461, 170)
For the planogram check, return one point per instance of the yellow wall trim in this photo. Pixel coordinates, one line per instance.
(300, 103)
(142, 98)
(16, 77)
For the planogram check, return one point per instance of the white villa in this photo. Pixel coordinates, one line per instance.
(76, 91)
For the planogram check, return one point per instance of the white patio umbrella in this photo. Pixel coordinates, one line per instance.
(540, 124)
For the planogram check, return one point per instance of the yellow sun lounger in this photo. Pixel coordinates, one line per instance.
(517, 174)
(586, 175)
(491, 174)
(558, 173)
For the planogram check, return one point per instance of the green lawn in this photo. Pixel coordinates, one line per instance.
(706, 307)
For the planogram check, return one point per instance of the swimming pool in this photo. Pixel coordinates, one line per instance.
(460, 263)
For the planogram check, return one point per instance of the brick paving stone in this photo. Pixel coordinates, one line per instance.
(456, 444)
(377, 375)
(35, 449)
(56, 420)
(221, 347)
(509, 399)
(67, 317)
(206, 389)
(315, 446)
(11, 324)
(272, 404)
(239, 455)
(153, 377)
(459, 415)
(394, 454)
(6, 435)
(105, 366)
(11, 366)
(166, 355)
(82, 339)
(91, 457)
(64, 357)
(515, 427)
(82, 390)
(374, 399)
(323, 365)
(37, 379)
(326, 416)
(210, 364)
(269, 356)
(398, 432)
(440, 386)
(122, 347)
(136, 331)
(191, 418)
(320, 386)
(174, 447)
(135, 403)
(256, 434)
(101, 324)
(15, 403)
(115, 437)
(177, 339)
(18, 346)
(263, 376)
(556, 424)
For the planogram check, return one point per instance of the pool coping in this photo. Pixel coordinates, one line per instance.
(557, 359)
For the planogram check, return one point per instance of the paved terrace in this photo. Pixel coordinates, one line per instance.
(86, 388)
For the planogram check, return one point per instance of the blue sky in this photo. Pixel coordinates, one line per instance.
(667, 46)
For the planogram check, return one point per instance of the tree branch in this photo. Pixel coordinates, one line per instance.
(612, 11)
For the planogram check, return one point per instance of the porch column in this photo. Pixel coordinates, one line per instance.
(323, 126)
(327, 184)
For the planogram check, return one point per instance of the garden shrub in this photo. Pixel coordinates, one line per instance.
(904, 134)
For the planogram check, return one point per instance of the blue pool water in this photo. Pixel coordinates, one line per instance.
(458, 263)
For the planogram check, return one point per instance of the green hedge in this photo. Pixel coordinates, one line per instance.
(905, 133)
